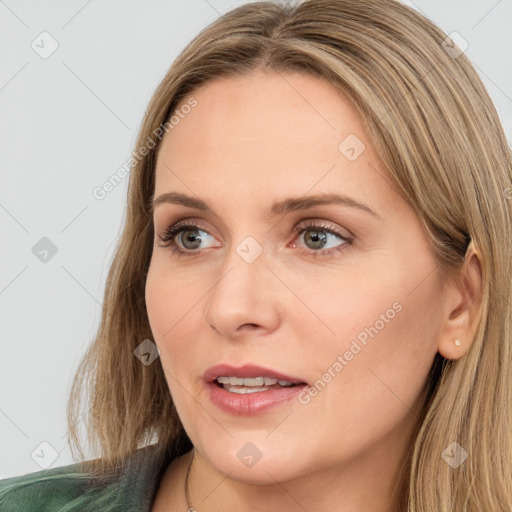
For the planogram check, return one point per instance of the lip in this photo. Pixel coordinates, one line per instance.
(247, 371)
(250, 404)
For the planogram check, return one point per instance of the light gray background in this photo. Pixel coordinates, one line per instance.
(68, 122)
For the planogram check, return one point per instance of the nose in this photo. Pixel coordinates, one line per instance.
(246, 297)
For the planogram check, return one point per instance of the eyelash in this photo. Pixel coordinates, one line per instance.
(168, 236)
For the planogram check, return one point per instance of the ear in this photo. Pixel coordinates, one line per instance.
(462, 308)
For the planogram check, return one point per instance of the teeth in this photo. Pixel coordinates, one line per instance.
(254, 381)
(242, 390)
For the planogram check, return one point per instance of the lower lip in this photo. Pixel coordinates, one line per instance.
(249, 404)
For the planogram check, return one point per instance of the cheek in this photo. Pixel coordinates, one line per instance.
(386, 314)
(370, 370)
(159, 302)
(169, 296)
(175, 309)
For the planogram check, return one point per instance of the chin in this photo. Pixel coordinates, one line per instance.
(246, 463)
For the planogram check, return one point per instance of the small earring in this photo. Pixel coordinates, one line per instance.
(457, 342)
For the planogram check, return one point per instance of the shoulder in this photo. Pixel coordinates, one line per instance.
(72, 489)
(43, 490)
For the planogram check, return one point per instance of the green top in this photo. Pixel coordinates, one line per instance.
(66, 489)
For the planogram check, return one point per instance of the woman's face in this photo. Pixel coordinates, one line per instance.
(349, 306)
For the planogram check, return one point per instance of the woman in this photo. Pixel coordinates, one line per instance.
(309, 306)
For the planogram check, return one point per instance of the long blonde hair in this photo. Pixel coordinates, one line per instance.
(436, 129)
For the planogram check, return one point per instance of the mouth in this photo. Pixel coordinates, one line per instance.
(250, 389)
(250, 378)
(251, 385)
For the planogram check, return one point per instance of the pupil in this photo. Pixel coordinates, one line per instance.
(318, 238)
(192, 238)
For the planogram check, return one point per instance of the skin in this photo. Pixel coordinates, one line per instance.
(250, 141)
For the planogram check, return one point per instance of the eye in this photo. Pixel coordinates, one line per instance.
(316, 236)
(190, 236)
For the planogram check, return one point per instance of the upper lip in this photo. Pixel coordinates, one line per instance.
(247, 371)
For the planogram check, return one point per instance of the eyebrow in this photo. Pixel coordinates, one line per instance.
(278, 208)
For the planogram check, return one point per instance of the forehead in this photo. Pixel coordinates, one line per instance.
(264, 103)
(251, 134)
(260, 117)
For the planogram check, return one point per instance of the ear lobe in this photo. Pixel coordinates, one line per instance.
(464, 310)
